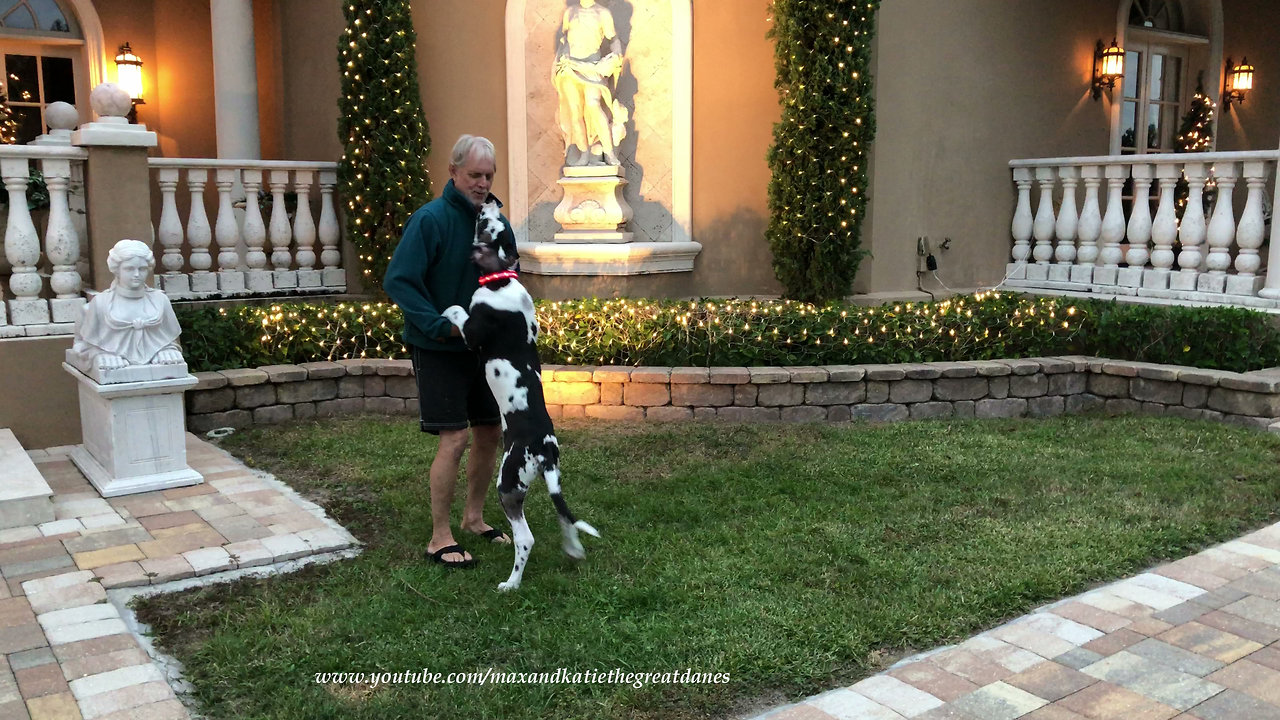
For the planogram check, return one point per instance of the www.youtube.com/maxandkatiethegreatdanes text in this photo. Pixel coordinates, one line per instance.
(490, 676)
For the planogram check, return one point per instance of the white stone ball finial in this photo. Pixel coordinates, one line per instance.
(111, 103)
(62, 116)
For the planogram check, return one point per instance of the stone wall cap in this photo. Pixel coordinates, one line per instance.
(845, 373)
(581, 373)
(354, 366)
(806, 373)
(238, 377)
(1197, 376)
(729, 375)
(284, 373)
(768, 375)
(884, 372)
(323, 369)
(923, 371)
(1022, 366)
(656, 374)
(384, 366)
(690, 375)
(607, 374)
(1249, 382)
(1121, 368)
(1151, 371)
(1055, 365)
(209, 380)
(991, 368)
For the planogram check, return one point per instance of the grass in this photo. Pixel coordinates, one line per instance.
(794, 558)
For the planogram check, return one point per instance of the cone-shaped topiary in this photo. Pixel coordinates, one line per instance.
(818, 189)
(382, 176)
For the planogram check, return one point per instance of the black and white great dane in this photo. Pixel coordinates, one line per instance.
(502, 330)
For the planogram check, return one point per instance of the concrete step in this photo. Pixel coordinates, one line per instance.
(25, 498)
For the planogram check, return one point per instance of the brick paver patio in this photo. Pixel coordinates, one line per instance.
(1194, 640)
(65, 651)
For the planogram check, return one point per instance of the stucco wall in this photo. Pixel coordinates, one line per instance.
(311, 83)
(39, 403)
(1250, 30)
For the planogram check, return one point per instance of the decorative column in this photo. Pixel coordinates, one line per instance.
(1249, 234)
(1042, 227)
(174, 283)
(1191, 231)
(1222, 231)
(332, 274)
(1065, 227)
(304, 230)
(235, 80)
(254, 234)
(280, 233)
(22, 248)
(1164, 230)
(1112, 231)
(62, 244)
(1089, 226)
(1139, 228)
(1021, 228)
(226, 231)
(199, 236)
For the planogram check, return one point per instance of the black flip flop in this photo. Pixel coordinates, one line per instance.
(438, 556)
(495, 536)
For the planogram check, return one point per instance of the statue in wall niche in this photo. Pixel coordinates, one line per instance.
(590, 116)
(129, 324)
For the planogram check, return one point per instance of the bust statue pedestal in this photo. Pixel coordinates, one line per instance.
(134, 433)
(593, 209)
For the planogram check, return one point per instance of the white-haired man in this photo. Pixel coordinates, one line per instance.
(430, 270)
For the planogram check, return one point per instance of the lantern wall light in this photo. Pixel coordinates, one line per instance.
(129, 77)
(1108, 67)
(1239, 81)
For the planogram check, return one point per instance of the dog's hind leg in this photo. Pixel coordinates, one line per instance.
(512, 488)
(569, 525)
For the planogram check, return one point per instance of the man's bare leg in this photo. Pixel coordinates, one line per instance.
(480, 463)
(444, 477)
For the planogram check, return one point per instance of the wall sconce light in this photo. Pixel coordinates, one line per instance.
(1239, 81)
(129, 77)
(1108, 67)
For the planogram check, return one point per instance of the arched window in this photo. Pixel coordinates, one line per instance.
(42, 56)
(1168, 45)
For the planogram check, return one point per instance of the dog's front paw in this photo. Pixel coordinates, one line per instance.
(508, 585)
(456, 315)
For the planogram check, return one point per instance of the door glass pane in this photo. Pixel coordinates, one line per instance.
(1128, 121)
(1173, 79)
(17, 15)
(59, 80)
(50, 16)
(1154, 131)
(1132, 68)
(1157, 76)
(1171, 122)
(29, 125)
(21, 81)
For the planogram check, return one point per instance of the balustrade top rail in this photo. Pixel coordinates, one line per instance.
(1151, 159)
(222, 163)
(50, 152)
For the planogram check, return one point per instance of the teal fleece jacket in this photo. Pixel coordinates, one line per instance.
(431, 269)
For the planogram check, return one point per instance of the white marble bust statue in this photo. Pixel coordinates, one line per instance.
(129, 324)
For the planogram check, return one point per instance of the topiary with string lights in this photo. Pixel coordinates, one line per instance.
(818, 161)
(382, 175)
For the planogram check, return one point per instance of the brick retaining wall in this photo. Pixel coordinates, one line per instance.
(1036, 387)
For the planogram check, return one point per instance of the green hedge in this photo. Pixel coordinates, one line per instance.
(767, 332)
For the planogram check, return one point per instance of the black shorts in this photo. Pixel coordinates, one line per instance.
(452, 391)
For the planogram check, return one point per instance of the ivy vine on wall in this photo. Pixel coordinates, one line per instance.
(382, 176)
(818, 160)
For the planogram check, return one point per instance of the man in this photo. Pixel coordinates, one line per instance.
(590, 118)
(430, 270)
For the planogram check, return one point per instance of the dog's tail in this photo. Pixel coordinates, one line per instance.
(552, 476)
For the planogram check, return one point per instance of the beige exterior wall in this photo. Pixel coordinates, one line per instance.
(1250, 30)
(40, 402)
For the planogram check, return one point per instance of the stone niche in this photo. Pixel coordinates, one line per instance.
(655, 155)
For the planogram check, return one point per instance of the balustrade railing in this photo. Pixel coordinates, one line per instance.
(1190, 250)
(29, 306)
(274, 257)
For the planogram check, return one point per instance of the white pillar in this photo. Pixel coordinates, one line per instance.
(235, 80)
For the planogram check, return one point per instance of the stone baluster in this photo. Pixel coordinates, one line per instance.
(1221, 231)
(199, 236)
(1021, 228)
(1164, 228)
(227, 232)
(330, 257)
(1088, 227)
(281, 234)
(1191, 230)
(1271, 289)
(173, 282)
(1138, 230)
(62, 244)
(1249, 233)
(22, 248)
(1042, 228)
(254, 232)
(1112, 231)
(1068, 221)
(304, 230)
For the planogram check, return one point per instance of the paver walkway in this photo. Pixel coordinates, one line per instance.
(1195, 640)
(65, 651)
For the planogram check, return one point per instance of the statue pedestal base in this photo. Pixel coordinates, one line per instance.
(134, 435)
(593, 209)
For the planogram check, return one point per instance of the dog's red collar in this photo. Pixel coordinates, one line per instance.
(493, 277)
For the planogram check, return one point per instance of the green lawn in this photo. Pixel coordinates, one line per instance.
(794, 558)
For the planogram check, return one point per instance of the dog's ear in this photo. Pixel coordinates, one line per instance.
(507, 247)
